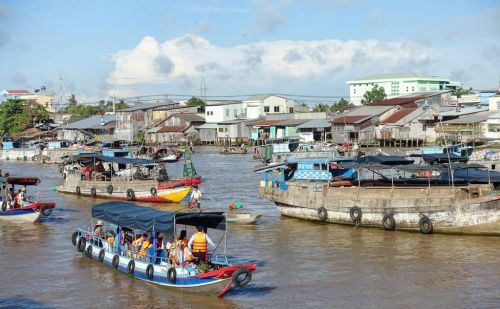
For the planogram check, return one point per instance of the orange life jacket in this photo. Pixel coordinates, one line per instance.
(145, 245)
(200, 242)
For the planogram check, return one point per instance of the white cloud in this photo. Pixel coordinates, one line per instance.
(179, 64)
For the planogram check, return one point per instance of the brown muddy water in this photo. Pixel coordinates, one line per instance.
(300, 264)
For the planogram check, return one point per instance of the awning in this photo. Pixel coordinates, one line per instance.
(386, 160)
(151, 220)
(119, 160)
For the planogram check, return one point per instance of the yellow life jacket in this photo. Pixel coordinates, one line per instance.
(110, 240)
(145, 245)
(200, 242)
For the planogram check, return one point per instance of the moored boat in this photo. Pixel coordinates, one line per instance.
(30, 210)
(215, 277)
(233, 151)
(131, 180)
(390, 200)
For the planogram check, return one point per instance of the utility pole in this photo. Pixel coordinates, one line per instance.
(60, 96)
(113, 101)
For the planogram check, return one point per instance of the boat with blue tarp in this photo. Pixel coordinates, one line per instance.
(216, 276)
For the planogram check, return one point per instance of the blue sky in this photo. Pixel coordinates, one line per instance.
(128, 48)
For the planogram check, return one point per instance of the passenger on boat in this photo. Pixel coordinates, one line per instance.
(195, 200)
(20, 199)
(176, 249)
(11, 198)
(146, 244)
(98, 231)
(162, 173)
(137, 243)
(87, 171)
(99, 167)
(198, 243)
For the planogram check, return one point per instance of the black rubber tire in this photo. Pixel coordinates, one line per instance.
(388, 222)
(356, 214)
(25, 158)
(153, 191)
(150, 271)
(425, 225)
(116, 261)
(81, 244)
(241, 283)
(4, 206)
(131, 267)
(130, 195)
(18, 158)
(7, 158)
(78, 190)
(88, 251)
(322, 214)
(93, 192)
(100, 257)
(109, 189)
(172, 275)
(46, 210)
(73, 237)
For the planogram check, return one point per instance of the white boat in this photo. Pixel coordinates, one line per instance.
(242, 217)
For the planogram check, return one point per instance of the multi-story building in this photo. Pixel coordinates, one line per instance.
(266, 104)
(398, 84)
(40, 96)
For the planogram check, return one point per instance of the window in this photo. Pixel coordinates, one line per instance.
(227, 112)
(266, 109)
(424, 127)
(354, 91)
(276, 109)
(412, 89)
(291, 110)
(406, 89)
(208, 113)
(221, 130)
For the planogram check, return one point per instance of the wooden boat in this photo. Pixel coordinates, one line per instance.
(305, 191)
(141, 185)
(242, 217)
(154, 267)
(233, 151)
(31, 210)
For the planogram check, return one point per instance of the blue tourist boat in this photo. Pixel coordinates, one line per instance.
(215, 277)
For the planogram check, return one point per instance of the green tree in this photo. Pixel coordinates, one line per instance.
(72, 100)
(140, 137)
(459, 91)
(19, 115)
(339, 105)
(83, 110)
(194, 101)
(120, 105)
(320, 108)
(375, 95)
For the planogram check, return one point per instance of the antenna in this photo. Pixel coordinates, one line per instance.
(60, 93)
(203, 90)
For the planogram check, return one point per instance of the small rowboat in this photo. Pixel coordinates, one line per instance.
(238, 217)
(31, 211)
(154, 266)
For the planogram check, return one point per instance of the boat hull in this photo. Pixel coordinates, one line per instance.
(20, 216)
(472, 210)
(186, 282)
(242, 217)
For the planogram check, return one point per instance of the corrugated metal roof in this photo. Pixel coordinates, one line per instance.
(315, 123)
(191, 117)
(89, 123)
(453, 111)
(17, 91)
(144, 106)
(369, 110)
(291, 122)
(471, 118)
(400, 114)
(222, 102)
(259, 97)
(207, 126)
(351, 119)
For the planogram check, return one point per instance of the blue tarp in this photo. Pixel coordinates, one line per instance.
(385, 160)
(151, 220)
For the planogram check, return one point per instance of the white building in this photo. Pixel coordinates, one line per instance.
(397, 84)
(267, 104)
(494, 102)
(12, 94)
(223, 110)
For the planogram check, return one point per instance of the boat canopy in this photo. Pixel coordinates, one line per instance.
(151, 220)
(87, 158)
(442, 158)
(374, 166)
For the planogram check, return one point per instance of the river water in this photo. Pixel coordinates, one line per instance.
(299, 264)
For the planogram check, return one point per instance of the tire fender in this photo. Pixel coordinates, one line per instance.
(322, 214)
(81, 244)
(131, 267)
(425, 225)
(116, 261)
(356, 214)
(172, 275)
(150, 271)
(246, 280)
(388, 222)
(100, 257)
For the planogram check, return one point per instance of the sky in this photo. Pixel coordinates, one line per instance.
(131, 48)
